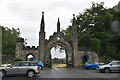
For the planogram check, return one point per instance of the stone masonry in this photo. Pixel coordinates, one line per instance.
(74, 56)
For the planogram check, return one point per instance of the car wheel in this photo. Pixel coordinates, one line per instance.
(90, 68)
(106, 70)
(2, 74)
(30, 74)
(86, 68)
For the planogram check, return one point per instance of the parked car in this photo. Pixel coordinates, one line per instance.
(91, 65)
(21, 67)
(40, 63)
(112, 66)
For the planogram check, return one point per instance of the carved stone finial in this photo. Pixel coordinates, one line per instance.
(42, 25)
(73, 15)
(58, 25)
(74, 20)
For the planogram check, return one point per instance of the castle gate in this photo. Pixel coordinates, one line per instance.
(74, 57)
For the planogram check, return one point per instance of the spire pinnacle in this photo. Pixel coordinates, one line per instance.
(42, 25)
(58, 25)
(74, 20)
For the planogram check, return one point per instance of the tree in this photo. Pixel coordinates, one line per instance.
(94, 30)
(95, 44)
(18, 59)
(9, 40)
(55, 60)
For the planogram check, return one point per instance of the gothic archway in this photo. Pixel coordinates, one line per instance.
(42, 51)
(30, 57)
(68, 51)
(85, 59)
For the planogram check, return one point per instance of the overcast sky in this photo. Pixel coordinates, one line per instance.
(26, 15)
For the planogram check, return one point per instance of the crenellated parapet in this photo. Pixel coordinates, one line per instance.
(30, 48)
(20, 39)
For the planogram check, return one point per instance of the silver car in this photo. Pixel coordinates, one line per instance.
(112, 66)
(21, 67)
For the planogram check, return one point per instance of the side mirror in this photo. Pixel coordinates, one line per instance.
(9, 66)
(110, 64)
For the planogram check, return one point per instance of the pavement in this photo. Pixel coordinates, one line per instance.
(58, 73)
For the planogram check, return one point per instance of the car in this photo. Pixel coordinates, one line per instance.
(91, 65)
(28, 68)
(112, 66)
(40, 63)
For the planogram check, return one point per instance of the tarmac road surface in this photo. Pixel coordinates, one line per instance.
(59, 73)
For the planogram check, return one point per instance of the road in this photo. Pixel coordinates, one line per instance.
(65, 73)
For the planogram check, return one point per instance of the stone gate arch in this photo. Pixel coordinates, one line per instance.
(63, 43)
(74, 56)
(26, 56)
(89, 55)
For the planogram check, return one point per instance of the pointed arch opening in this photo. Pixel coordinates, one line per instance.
(30, 57)
(58, 56)
(64, 52)
(85, 59)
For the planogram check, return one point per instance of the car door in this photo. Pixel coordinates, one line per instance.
(23, 67)
(13, 69)
(96, 64)
(118, 63)
(114, 66)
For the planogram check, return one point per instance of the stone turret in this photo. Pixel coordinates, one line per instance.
(42, 39)
(74, 39)
(42, 25)
(19, 46)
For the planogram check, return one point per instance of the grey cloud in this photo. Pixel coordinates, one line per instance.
(26, 14)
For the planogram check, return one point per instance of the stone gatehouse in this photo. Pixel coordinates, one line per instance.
(74, 56)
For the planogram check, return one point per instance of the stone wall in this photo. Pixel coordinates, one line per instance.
(25, 53)
(91, 56)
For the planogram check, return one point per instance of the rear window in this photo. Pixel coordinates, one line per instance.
(90, 62)
(118, 63)
(33, 64)
(36, 64)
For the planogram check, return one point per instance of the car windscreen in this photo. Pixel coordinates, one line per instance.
(90, 62)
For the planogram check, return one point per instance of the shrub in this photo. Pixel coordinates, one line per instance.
(18, 59)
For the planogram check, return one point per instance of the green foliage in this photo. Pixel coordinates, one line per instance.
(60, 48)
(95, 44)
(18, 59)
(59, 61)
(67, 32)
(94, 31)
(9, 40)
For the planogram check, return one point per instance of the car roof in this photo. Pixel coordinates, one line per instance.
(116, 61)
(92, 61)
(25, 61)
